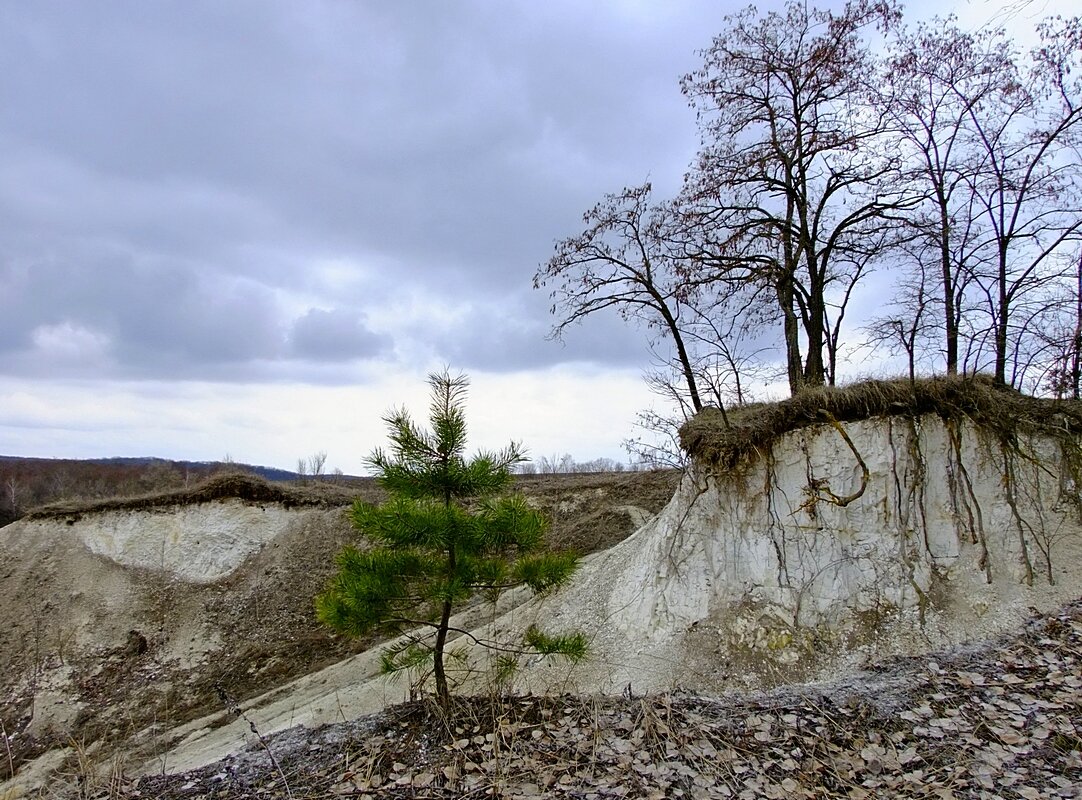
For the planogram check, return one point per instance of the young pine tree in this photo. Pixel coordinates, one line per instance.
(448, 532)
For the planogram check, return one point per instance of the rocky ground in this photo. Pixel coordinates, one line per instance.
(1000, 721)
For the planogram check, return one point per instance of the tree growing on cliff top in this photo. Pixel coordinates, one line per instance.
(790, 185)
(449, 531)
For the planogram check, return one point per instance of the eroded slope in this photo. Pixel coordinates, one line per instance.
(126, 618)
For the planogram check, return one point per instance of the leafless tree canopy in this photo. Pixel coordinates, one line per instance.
(835, 144)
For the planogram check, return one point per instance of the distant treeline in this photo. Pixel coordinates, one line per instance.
(28, 483)
(566, 464)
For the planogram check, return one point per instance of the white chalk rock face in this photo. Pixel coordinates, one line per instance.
(812, 559)
(197, 543)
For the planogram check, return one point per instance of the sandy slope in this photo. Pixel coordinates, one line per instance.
(123, 623)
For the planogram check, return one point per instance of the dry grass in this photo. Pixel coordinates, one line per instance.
(240, 486)
(753, 429)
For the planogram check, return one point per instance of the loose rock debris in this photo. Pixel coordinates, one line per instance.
(1001, 721)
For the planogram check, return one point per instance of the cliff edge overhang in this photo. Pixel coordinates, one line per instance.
(723, 441)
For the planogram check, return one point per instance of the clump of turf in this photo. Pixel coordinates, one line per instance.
(752, 429)
(230, 485)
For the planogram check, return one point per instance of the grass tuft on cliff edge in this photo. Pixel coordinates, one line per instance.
(752, 429)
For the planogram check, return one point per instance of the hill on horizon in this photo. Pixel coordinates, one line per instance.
(27, 483)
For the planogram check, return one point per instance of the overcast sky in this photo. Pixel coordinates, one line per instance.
(251, 228)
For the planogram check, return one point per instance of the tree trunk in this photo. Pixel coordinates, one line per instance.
(795, 368)
(1001, 320)
(814, 373)
(681, 350)
(443, 693)
(951, 324)
(1076, 341)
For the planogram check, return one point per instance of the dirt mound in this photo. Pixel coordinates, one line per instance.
(114, 628)
(237, 486)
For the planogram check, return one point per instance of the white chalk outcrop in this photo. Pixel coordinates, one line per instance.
(195, 543)
(90, 578)
(768, 573)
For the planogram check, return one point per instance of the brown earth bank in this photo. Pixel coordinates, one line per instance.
(155, 651)
(1003, 720)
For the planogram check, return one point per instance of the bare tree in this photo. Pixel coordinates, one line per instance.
(730, 345)
(316, 463)
(622, 261)
(722, 339)
(906, 324)
(656, 443)
(1028, 187)
(312, 466)
(1060, 338)
(991, 140)
(932, 81)
(13, 490)
(790, 186)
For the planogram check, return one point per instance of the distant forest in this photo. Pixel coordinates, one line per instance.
(27, 483)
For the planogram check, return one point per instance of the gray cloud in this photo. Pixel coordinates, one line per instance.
(150, 319)
(177, 175)
(336, 335)
(514, 336)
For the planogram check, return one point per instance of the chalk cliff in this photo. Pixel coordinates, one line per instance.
(839, 544)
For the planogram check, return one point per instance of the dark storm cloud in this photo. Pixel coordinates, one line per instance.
(157, 320)
(175, 173)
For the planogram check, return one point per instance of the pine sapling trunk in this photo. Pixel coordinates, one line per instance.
(443, 693)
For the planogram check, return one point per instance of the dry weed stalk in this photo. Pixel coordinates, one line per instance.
(7, 749)
(234, 707)
(89, 781)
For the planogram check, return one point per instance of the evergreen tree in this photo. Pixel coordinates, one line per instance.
(449, 531)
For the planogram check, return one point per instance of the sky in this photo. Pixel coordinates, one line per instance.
(250, 228)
